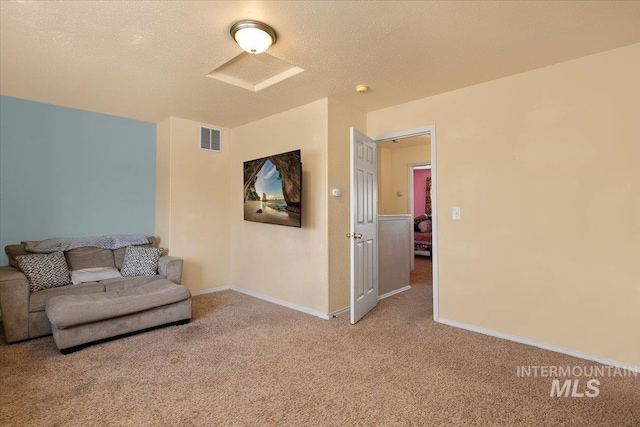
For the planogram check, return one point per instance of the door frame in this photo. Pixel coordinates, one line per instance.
(430, 130)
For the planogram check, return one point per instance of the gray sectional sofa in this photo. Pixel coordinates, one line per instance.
(23, 309)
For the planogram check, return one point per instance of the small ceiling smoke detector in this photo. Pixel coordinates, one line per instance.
(362, 88)
(253, 36)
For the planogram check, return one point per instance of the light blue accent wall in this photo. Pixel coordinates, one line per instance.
(71, 173)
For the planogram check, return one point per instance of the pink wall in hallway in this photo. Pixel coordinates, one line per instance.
(419, 190)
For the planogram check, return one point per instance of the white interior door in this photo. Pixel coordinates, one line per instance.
(364, 225)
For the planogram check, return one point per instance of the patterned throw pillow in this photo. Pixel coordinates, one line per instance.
(44, 271)
(417, 220)
(141, 261)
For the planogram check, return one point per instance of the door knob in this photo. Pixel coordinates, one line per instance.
(354, 235)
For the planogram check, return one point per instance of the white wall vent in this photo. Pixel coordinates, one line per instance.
(210, 138)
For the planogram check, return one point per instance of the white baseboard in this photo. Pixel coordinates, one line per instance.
(397, 291)
(265, 298)
(383, 296)
(339, 312)
(453, 323)
(282, 303)
(539, 344)
(296, 307)
(212, 290)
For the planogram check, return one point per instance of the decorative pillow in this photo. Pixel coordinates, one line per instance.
(417, 220)
(425, 226)
(94, 274)
(118, 254)
(44, 271)
(141, 261)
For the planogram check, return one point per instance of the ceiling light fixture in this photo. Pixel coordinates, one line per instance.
(253, 36)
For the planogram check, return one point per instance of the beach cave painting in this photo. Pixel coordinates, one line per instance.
(273, 189)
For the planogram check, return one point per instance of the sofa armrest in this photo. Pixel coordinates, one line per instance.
(171, 267)
(14, 302)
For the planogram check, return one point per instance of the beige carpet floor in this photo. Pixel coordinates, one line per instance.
(247, 362)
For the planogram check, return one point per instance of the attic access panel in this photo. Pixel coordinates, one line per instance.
(254, 72)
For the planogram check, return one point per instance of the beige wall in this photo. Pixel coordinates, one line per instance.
(193, 215)
(393, 176)
(341, 118)
(294, 265)
(544, 165)
(287, 263)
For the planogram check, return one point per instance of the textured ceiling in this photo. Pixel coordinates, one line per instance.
(149, 60)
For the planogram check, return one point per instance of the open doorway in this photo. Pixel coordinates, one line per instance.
(396, 194)
(419, 198)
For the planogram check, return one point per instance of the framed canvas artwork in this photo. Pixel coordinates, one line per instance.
(273, 189)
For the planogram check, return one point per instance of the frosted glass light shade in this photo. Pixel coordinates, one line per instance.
(253, 40)
(253, 36)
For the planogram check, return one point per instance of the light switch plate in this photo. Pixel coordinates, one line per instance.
(456, 213)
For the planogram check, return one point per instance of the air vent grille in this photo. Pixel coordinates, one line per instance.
(210, 138)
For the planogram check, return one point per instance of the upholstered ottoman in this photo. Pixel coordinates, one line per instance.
(78, 320)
